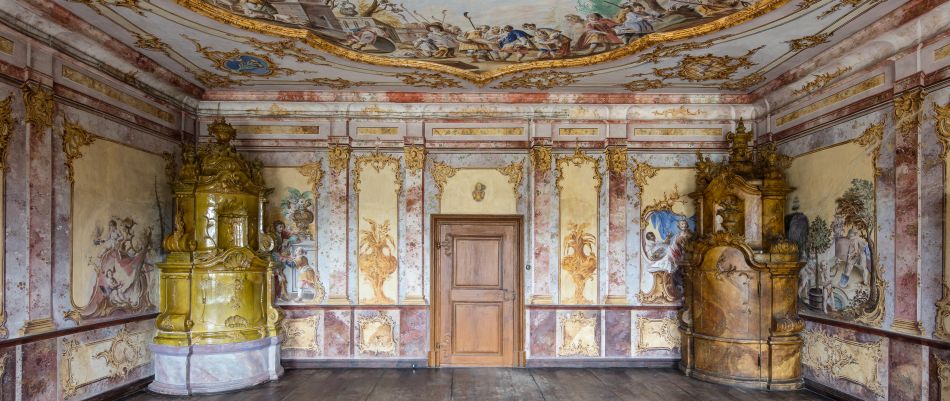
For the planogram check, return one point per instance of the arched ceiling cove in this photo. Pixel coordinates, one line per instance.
(665, 46)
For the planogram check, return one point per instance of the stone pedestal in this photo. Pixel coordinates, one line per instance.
(202, 369)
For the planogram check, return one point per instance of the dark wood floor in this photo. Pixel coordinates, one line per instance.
(485, 384)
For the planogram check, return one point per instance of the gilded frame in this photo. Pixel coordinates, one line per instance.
(579, 158)
(758, 9)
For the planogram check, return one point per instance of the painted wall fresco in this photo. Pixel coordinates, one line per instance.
(833, 220)
(116, 240)
(579, 182)
(378, 183)
(480, 191)
(458, 35)
(668, 221)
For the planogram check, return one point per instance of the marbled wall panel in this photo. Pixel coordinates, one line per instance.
(616, 333)
(337, 334)
(39, 380)
(413, 333)
(905, 364)
(542, 327)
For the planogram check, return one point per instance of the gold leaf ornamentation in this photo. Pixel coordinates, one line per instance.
(807, 42)
(441, 172)
(338, 83)
(665, 203)
(708, 67)
(220, 58)
(287, 48)
(339, 157)
(680, 112)
(427, 80)
(123, 355)
(39, 105)
(415, 158)
(640, 85)
(843, 359)
(577, 159)
(70, 348)
(300, 333)
(7, 124)
(515, 174)
(942, 123)
(540, 80)
(663, 50)
(377, 335)
(378, 161)
(616, 160)
(657, 334)
(213, 80)
(871, 139)
(821, 80)
(129, 4)
(148, 41)
(743, 83)
(578, 335)
(642, 172)
(907, 108)
(541, 158)
(74, 138)
(314, 173)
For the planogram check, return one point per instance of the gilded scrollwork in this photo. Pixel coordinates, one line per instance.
(743, 83)
(656, 334)
(415, 158)
(707, 67)
(300, 334)
(427, 80)
(74, 138)
(640, 85)
(515, 174)
(314, 173)
(942, 126)
(124, 354)
(213, 80)
(577, 159)
(907, 110)
(134, 5)
(821, 80)
(377, 335)
(942, 123)
(441, 172)
(578, 335)
(378, 161)
(38, 104)
(338, 83)
(871, 139)
(540, 80)
(616, 160)
(241, 63)
(148, 41)
(662, 50)
(680, 112)
(339, 156)
(807, 42)
(7, 126)
(642, 172)
(541, 157)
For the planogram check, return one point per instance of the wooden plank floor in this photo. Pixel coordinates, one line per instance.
(486, 384)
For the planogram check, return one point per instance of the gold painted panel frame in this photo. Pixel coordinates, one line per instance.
(377, 181)
(578, 183)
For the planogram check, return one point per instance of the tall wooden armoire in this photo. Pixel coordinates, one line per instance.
(739, 321)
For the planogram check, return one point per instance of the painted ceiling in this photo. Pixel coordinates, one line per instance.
(672, 46)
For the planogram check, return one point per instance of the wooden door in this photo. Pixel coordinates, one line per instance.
(476, 291)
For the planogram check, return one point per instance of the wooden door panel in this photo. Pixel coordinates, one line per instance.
(478, 262)
(477, 328)
(476, 288)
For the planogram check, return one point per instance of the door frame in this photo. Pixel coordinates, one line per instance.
(435, 281)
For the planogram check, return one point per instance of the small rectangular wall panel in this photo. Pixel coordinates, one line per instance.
(116, 238)
(245, 130)
(852, 91)
(478, 132)
(479, 191)
(853, 361)
(85, 363)
(578, 182)
(290, 212)
(377, 181)
(655, 334)
(667, 220)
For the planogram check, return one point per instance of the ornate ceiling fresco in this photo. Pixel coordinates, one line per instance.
(679, 46)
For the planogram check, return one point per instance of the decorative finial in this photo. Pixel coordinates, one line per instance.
(222, 131)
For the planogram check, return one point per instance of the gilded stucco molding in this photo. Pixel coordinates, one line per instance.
(303, 35)
(707, 67)
(220, 58)
(578, 335)
(339, 158)
(616, 160)
(441, 172)
(680, 112)
(287, 48)
(665, 51)
(378, 161)
(841, 359)
(656, 334)
(743, 83)
(123, 355)
(133, 5)
(540, 80)
(7, 124)
(577, 159)
(642, 172)
(871, 140)
(807, 42)
(942, 123)
(338, 83)
(151, 42)
(314, 173)
(907, 110)
(212, 80)
(377, 335)
(427, 80)
(38, 104)
(3, 366)
(541, 158)
(821, 80)
(415, 158)
(70, 348)
(665, 203)
(515, 174)
(640, 85)
(74, 138)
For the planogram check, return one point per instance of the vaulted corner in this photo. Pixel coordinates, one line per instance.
(649, 199)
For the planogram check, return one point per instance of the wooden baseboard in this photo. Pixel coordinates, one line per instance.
(829, 392)
(353, 363)
(602, 363)
(123, 391)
